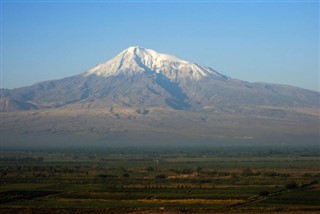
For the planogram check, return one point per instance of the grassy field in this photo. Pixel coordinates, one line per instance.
(145, 180)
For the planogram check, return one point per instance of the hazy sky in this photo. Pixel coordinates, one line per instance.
(276, 42)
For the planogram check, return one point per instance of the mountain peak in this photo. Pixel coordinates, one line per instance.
(134, 48)
(150, 55)
(139, 60)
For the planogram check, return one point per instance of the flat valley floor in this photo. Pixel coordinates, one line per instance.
(161, 180)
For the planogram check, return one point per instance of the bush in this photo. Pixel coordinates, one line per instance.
(222, 173)
(270, 174)
(313, 182)
(106, 176)
(187, 171)
(264, 193)
(161, 176)
(291, 185)
(247, 172)
(234, 175)
(150, 169)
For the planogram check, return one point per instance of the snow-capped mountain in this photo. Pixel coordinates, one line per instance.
(142, 94)
(138, 60)
(139, 77)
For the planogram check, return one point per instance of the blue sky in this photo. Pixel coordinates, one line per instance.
(276, 42)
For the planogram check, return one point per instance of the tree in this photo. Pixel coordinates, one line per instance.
(247, 172)
(161, 176)
(291, 185)
(264, 193)
(150, 169)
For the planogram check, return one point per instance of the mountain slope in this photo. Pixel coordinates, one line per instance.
(141, 77)
(143, 94)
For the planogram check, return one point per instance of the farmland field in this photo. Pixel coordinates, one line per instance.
(161, 180)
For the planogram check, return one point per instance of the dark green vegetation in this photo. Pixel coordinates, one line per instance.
(142, 180)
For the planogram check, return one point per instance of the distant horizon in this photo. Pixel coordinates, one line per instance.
(270, 42)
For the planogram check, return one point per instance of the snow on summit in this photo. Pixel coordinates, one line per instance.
(135, 60)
